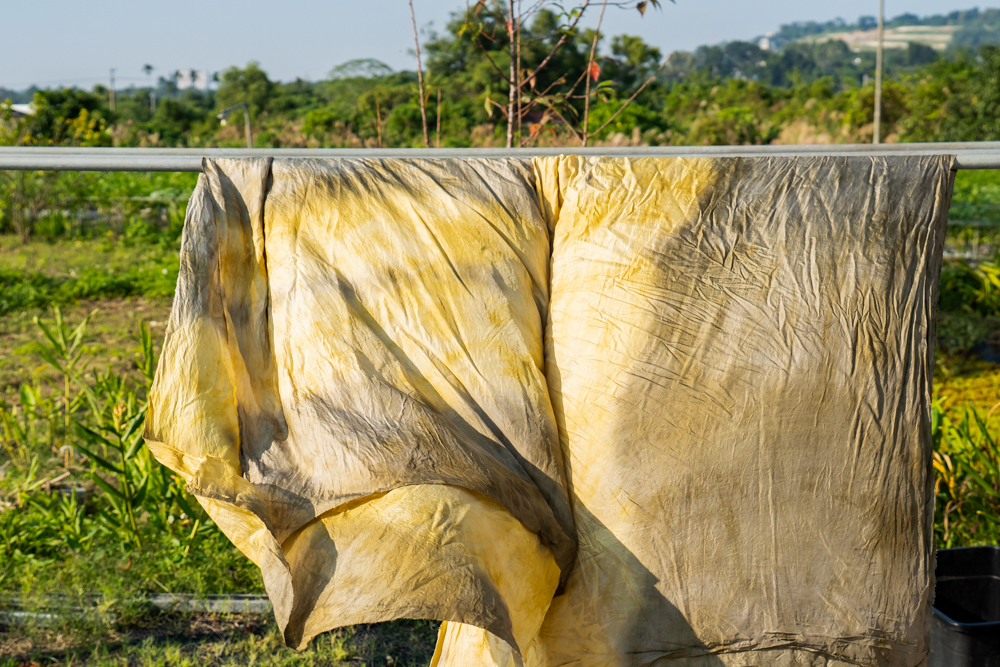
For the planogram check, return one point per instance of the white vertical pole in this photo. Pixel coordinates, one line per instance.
(111, 93)
(877, 136)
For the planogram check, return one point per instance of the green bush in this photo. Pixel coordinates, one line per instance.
(975, 288)
(958, 332)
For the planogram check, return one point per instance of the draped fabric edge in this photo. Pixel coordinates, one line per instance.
(201, 310)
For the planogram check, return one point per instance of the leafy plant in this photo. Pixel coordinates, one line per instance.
(63, 353)
(959, 332)
(125, 441)
(967, 486)
(123, 503)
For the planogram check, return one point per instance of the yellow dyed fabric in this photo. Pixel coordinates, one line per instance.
(359, 343)
(587, 411)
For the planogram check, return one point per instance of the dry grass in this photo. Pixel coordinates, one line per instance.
(113, 338)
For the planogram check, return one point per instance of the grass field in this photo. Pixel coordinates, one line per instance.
(221, 641)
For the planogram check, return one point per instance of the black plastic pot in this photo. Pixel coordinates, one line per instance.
(965, 628)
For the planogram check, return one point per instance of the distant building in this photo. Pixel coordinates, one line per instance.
(21, 110)
(192, 78)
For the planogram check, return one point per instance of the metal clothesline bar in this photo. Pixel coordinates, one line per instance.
(969, 155)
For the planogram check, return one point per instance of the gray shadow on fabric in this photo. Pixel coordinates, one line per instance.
(428, 393)
(309, 583)
(501, 450)
(636, 624)
(658, 633)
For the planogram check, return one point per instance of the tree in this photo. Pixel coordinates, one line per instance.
(633, 61)
(973, 112)
(249, 85)
(528, 50)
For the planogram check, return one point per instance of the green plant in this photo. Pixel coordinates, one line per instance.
(125, 441)
(967, 486)
(123, 503)
(64, 353)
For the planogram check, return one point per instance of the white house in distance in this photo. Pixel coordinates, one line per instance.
(22, 110)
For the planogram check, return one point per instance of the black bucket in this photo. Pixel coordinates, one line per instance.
(965, 627)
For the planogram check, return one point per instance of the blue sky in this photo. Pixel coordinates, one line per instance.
(53, 42)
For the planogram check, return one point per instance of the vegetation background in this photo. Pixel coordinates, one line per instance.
(91, 527)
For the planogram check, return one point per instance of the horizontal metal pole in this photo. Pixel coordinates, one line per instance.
(971, 155)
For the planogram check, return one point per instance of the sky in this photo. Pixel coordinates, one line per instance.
(68, 42)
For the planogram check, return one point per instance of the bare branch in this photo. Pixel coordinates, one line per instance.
(437, 135)
(420, 77)
(634, 95)
(560, 117)
(490, 58)
(560, 80)
(590, 66)
(518, 70)
(562, 40)
(512, 81)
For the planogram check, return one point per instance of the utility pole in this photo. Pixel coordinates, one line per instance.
(246, 119)
(877, 136)
(111, 92)
(148, 69)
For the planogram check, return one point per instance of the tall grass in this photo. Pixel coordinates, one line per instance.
(85, 509)
(967, 485)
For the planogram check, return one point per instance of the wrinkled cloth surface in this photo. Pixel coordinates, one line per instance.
(587, 411)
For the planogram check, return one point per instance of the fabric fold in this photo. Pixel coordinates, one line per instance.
(363, 338)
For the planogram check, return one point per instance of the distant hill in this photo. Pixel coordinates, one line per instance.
(969, 28)
(843, 52)
(938, 37)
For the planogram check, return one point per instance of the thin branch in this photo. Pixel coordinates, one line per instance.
(634, 95)
(518, 70)
(420, 77)
(490, 58)
(590, 66)
(532, 103)
(562, 40)
(437, 136)
(560, 117)
(512, 81)
(569, 94)
(566, 96)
